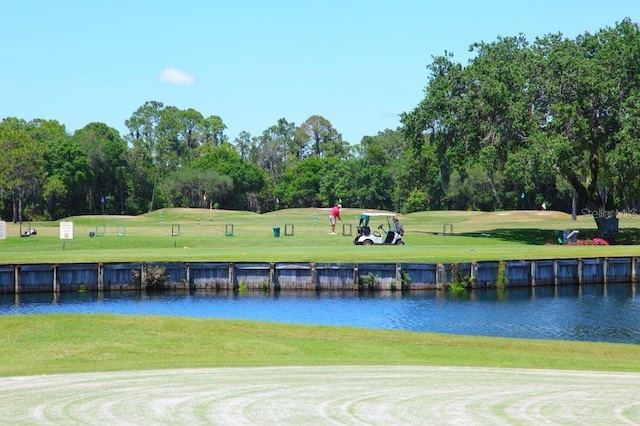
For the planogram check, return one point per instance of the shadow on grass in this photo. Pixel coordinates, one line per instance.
(627, 236)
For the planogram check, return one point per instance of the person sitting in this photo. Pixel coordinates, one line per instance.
(398, 228)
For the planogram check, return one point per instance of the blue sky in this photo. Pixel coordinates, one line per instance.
(359, 64)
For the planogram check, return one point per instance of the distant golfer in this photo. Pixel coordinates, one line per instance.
(335, 214)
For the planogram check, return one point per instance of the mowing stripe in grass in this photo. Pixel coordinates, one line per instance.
(324, 395)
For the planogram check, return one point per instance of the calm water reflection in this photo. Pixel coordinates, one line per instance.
(608, 313)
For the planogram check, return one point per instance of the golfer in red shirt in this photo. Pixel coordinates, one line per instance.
(335, 214)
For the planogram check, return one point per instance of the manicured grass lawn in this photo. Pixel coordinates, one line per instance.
(46, 344)
(200, 235)
(42, 344)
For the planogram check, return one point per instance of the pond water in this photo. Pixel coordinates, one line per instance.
(607, 313)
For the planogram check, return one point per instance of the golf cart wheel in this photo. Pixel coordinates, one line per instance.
(367, 242)
(400, 243)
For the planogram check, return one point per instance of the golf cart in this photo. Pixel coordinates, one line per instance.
(365, 236)
(29, 232)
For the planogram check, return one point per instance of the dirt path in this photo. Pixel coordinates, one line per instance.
(324, 395)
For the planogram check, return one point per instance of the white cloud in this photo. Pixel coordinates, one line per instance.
(177, 77)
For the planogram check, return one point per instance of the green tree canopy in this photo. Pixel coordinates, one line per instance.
(531, 115)
(317, 137)
(197, 188)
(106, 150)
(22, 165)
(69, 166)
(247, 178)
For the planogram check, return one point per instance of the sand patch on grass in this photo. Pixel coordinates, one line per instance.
(324, 395)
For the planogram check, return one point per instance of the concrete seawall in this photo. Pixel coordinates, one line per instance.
(25, 278)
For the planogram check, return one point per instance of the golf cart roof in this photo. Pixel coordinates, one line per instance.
(380, 214)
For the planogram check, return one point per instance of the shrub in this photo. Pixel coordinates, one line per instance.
(501, 280)
(416, 202)
(460, 280)
(368, 281)
(155, 278)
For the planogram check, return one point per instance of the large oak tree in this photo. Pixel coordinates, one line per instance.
(536, 115)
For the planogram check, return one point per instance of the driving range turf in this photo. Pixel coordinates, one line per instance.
(201, 235)
(149, 370)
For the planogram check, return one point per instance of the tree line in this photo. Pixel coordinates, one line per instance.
(552, 121)
(555, 121)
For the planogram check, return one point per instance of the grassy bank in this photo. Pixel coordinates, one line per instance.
(46, 344)
(43, 344)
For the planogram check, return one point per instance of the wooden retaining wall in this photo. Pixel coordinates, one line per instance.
(25, 278)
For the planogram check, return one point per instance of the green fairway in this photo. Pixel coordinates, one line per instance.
(65, 368)
(53, 343)
(46, 344)
(201, 235)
